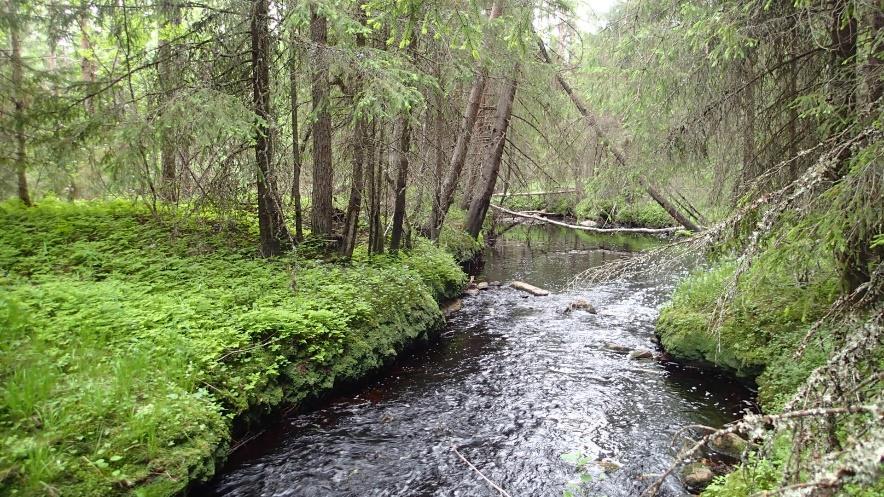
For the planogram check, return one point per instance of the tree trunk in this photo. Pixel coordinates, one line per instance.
(296, 146)
(167, 68)
(494, 152)
(616, 152)
(401, 161)
(351, 222)
(19, 103)
(323, 174)
(442, 201)
(87, 66)
(376, 234)
(854, 256)
(270, 221)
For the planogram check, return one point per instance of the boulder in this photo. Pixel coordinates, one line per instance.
(697, 476)
(580, 305)
(471, 292)
(482, 285)
(533, 290)
(616, 347)
(729, 444)
(640, 354)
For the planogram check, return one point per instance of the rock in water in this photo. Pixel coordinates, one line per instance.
(451, 307)
(640, 354)
(610, 465)
(533, 290)
(483, 285)
(580, 305)
(471, 292)
(616, 347)
(728, 444)
(696, 476)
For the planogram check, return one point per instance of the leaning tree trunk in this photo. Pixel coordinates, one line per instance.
(270, 221)
(323, 174)
(19, 102)
(296, 146)
(602, 137)
(442, 201)
(494, 152)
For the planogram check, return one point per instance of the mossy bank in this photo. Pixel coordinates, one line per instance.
(133, 341)
(762, 333)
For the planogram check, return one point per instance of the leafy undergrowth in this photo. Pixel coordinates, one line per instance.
(130, 344)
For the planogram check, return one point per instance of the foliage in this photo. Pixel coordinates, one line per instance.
(132, 342)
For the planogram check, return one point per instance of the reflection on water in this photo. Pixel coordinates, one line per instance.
(513, 383)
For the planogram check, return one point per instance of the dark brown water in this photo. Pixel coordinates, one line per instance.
(514, 384)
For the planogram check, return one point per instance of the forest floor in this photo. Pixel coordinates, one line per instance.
(133, 342)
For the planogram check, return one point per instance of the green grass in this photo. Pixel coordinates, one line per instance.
(131, 344)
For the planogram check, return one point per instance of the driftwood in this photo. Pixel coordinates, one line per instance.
(650, 231)
(533, 290)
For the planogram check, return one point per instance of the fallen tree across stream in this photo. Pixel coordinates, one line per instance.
(651, 231)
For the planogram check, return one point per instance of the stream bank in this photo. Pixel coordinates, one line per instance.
(525, 391)
(133, 343)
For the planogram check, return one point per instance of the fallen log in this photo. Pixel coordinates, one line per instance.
(533, 290)
(529, 194)
(650, 231)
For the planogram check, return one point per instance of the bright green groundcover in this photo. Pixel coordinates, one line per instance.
(131, 341)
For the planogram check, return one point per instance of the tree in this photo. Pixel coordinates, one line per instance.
(443, 199)
(493, 154)
(168, 69)
(270, 220)
(296, 146)
(19, 100)
(323, 173)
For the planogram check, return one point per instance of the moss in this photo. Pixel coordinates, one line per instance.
(132, 342)
(619, 211)
(759, 330)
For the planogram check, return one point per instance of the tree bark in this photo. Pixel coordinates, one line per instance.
(19, 102)
(602, 137)
(167, 69)
(351, 222)
(401, 156)
(323, 174)
(442, 201)
(376, 235)
(270, 220)
(87, 66)
(296, 146)
(494, 152)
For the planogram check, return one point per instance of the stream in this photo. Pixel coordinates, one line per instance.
(514, 383)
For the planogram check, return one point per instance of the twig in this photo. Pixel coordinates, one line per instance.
(494, 485)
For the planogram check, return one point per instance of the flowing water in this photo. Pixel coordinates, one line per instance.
(514, 384)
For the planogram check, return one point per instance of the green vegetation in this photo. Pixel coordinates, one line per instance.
(621, 212)
(131, 343)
